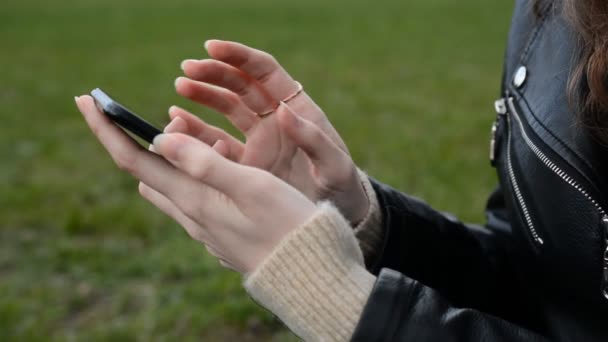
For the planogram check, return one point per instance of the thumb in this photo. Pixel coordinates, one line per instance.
(321, 150)
(177, 125)
(203, 163)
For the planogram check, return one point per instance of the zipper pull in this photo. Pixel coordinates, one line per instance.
(493, 142)
(500, 106)
(605, 271)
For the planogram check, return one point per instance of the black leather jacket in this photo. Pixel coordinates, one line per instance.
(537, 270)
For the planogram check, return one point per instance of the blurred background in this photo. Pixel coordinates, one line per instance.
(409, 85)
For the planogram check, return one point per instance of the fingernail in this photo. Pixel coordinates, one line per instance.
(209, 41)
(217, 145)
(172, 108)
(76, 98)
(174, 125)
(172, 145)
(158, 139)
(221, 148)
(183, 63)
(177, 81)
(207, 44)
(169, 126)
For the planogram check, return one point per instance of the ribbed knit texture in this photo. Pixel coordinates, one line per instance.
(370, 232)
(315, 280)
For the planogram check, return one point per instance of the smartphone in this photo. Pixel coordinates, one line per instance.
(124, 117)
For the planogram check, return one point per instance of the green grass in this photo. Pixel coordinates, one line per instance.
(409, 84)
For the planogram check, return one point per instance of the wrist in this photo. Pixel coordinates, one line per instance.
(370, 231)
(354, 204)
(315, 280)
(363, 204)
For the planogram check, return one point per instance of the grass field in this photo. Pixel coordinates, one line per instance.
(409, 84)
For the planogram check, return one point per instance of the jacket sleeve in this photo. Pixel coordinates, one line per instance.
(468, 264)
(402, 309)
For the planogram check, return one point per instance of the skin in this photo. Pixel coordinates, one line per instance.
(289, 159)
(239, 81)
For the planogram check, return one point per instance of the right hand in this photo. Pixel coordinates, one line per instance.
(296, 143)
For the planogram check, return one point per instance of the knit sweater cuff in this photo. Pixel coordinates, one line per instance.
(370, 232)
(315, 280)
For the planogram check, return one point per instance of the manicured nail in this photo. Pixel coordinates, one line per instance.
(169, 126)
(209, 41)
(207, 44)
(217, 145)
(183, 64)
(172, 108)
(222, 148)
(177, 124)
(177, 81)
(158, 139)
(172, 148)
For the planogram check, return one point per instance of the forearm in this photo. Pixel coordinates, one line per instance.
(315, 282)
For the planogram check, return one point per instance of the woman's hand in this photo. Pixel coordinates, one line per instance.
(296, 142)
(239, 212)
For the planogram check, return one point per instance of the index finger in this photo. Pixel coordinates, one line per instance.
(260, 65)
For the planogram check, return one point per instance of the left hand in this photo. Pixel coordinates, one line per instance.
(297, 142)
(239, 212)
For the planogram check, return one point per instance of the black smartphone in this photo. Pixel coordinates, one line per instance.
(124, 117)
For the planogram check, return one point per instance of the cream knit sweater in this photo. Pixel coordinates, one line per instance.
(315, 281)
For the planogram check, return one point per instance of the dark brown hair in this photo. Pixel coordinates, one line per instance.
(588, 84)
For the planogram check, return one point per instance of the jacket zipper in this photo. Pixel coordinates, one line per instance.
(551, 165)
(561, 174)
(518, 195)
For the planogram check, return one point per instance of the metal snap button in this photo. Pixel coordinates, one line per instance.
(520, 76)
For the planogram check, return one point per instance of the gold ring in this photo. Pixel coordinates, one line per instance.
(266, 113)
(295, 93)
(288, 98)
